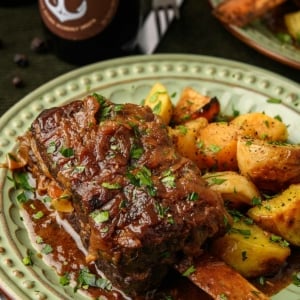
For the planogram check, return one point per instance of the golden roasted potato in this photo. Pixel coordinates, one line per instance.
(236, 190)
(216, 147)
(159, 101)
(292, 22)
(261, 126)
(250, 250)
(270, 166)
(281, 214)
(192, 105)
(184, 137)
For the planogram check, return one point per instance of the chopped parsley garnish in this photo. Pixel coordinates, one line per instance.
(142, 177)
(168, 179)
(65, 279)
(100, 216)
(284, 38)
(38, 215)
(278, 239)
(216, 180)
(261, 280)
(244, 232)
(182, 129)
(296, 279)
(66, 152)
(154, 97)
(47, 249)
(161, 211)
(21, 181)
(27, 261)
(256, 201)
(22, 197)
(157, 108)
(123, 204)
(51, 148)
(87, 279)
(101, 99)
(223, 297)
(214, 148)
(118, 107)
(111, 186)
(189, 271)
(39, 240)
(235, 113)
(79, 169)
(136, 152)
(274, 100)
(193, 196)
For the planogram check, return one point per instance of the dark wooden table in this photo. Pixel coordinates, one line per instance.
(196, 32)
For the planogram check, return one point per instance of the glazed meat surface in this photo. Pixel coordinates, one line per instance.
(139, 205)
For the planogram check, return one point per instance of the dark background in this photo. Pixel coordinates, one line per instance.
(196, 32)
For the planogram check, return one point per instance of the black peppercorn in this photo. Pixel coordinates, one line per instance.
(17, 81)
(21, 60)
(39, 45)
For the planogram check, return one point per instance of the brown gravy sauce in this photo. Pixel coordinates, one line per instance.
(68, 256)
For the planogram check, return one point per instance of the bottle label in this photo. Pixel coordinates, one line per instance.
(77, 19)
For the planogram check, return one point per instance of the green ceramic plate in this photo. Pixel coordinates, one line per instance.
(238, 86)
(263, 40)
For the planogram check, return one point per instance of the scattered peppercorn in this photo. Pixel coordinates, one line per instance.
(17, 81)
(39, 45)
(21, 60)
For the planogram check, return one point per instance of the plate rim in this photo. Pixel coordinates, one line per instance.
(143, 58)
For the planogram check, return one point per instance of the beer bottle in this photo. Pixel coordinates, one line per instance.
(85, 31)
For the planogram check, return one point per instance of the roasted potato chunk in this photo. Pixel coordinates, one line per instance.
(159, 101)
(292, 22)
(261, 126)
(192, 105)
(185, 136)
(236, 190)
(216, 147)
(250, 250)
(272, 167)
(281, 214)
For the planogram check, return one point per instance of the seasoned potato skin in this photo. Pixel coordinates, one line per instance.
(192, 105)
(185, 136)
(261, 126)
(272, 167)
(251, 255)
(160, 102)
(216, 147)
(281, 214)
(236, 190)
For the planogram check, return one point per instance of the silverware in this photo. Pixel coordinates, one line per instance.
(164, 10)
(157, 23)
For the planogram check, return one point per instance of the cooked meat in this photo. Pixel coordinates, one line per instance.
(139, 205)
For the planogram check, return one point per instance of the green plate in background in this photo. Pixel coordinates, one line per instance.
(259, 37)
(238, 86)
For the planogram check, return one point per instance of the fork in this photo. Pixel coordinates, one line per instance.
(165, 10)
